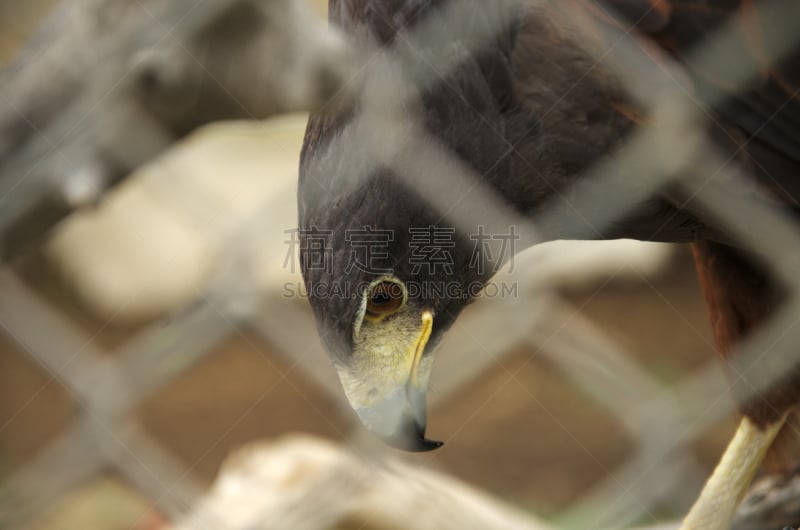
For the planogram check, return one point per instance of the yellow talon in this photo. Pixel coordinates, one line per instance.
(724, 490)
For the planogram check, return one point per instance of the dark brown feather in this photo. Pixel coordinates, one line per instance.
(770, 108)
(739, 294)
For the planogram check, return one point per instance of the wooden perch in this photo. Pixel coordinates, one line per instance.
(107, 85)
(307, 483)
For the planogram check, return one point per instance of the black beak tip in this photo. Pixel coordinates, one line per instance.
(430, 445)
(412, 445)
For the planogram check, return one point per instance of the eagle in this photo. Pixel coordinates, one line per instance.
(472, 124)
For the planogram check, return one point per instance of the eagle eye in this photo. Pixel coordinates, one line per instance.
(385, 297)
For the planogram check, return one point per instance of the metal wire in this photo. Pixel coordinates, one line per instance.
(107, 436)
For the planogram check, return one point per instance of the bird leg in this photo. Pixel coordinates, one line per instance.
(722, 493)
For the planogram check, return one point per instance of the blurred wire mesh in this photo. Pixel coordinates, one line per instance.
(149, 336)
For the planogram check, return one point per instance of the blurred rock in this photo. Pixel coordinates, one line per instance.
(580, 264)
(225, 197)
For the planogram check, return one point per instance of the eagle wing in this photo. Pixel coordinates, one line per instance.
(767, 110)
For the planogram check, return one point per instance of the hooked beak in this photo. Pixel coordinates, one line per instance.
(400, 419)
(398, 413)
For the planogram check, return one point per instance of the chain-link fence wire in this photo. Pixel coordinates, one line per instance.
(663, 420)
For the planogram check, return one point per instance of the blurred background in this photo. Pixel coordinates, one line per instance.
(153, 334)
